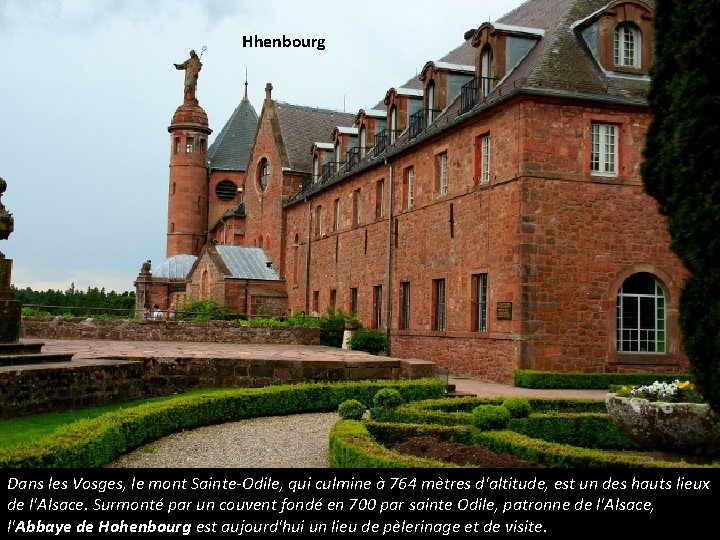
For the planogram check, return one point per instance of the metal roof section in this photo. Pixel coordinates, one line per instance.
(347, 130)
(377, 113)
(230, 151)
(324, 145)
(453, 67)
(175, 267)
(403, 91)
(247, 263)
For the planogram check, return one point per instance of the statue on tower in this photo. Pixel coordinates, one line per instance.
(192, 67)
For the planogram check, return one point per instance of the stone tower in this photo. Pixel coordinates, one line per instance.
(187, 195)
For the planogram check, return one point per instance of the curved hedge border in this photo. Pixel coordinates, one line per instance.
(96, 442)
(543, 437)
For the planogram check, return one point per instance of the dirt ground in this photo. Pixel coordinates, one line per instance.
(460, 454)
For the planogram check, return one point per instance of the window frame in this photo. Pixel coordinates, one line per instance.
(620, 46)
(409, 185)
(263, 174)
(627, 336)
(439, 321)
(479, 302)
(441, 171)
(404, 300)
(599, 149)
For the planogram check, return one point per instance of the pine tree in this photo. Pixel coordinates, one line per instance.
(681, 169)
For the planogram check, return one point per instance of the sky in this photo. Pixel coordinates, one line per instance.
(88, 89)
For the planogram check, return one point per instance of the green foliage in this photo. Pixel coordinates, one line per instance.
(94, 442)
(369, 340)
(333, 327)
(527, 378)
(387, 398)
(202, 310)
(681, 170)
(517, 407)
(91, 303)
(351, 409)
(490, 417)
(34, 312)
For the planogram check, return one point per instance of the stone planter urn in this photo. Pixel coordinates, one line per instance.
(684, 428)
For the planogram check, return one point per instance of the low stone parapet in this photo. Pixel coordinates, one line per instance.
(144, 330)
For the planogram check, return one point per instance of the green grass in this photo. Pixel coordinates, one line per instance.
(20, 431)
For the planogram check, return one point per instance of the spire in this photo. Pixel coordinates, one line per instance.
(245, 98)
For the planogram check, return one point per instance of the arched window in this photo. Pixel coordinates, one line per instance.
(316, 168)
(486, 80)
(263, 174)
(628, 44)
(363, 140)
(393, 123)
(641, 316)
(430, 101)
(337, 156)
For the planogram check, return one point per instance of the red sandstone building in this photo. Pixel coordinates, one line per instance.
(488, 214)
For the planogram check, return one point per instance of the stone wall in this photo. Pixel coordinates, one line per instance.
(42, 388)
(142, 330)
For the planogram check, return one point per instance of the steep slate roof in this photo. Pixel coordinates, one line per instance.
(230, 150)
(559, 64)
(302, 126)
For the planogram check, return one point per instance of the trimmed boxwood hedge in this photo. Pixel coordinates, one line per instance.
(527, 378)
(96, 442)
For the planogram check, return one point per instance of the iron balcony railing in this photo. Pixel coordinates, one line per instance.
(353, 157)
(473, 90)
(419, 121)
(383, 139)
(328, 169)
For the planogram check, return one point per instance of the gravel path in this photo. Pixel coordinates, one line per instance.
(294, 441)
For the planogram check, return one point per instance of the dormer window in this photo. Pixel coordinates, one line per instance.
(620, 37)
(316, 168)
(628, 44)
(430, 101)
(486, 80)
(337, 156)
(363, 141)
(393, 124)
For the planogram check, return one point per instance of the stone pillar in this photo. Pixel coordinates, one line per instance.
(9, 307)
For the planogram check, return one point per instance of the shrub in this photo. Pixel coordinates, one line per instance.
(517, 407)
(486, 417)
(369, 340)
(387, 398)
(332, 327)
(202, 310)
(351, 409)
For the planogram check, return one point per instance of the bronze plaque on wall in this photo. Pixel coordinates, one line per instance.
(504, 311)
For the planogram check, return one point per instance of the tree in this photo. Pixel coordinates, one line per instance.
(681, 169)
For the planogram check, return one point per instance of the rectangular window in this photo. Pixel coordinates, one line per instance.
(379, 197)
(336, 215)
(404, 305)
(202, 146)
(377, 306)
(316, 302)
(356, 207)
(189, 145)
(479, 302)
(438, 304)
(603, 142)
(485, 159)
(409, 187)
(441, 185)
(354, 300)
(318, 221)
(333, 299)
(177, 145)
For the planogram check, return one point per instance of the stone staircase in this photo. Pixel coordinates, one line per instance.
(25, 353)
(452, 391)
